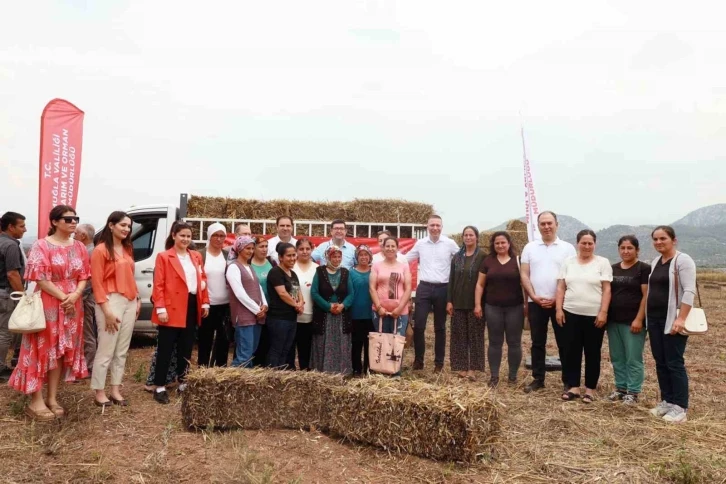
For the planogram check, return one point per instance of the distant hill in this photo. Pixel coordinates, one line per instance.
(569, 227)
(705, 216)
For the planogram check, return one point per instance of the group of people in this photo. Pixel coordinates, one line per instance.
(290, 305)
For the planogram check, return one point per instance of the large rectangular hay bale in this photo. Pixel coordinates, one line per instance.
(432, 421)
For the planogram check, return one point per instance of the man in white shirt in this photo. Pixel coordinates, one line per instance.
(338, 231)
(284, 234)
(433, 253)
(242, 230)
(540, 265)
(378, 257)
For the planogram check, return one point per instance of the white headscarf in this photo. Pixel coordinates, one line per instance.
(215, 227)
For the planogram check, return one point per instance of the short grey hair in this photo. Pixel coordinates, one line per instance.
(236, 229)
(88, 230)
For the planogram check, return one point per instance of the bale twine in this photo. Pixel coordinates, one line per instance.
(443, 423)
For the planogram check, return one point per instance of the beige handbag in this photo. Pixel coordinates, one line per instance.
(696, 322)
(385, 351)
(28, 315)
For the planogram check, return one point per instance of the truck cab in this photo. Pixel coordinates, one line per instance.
(151, 225)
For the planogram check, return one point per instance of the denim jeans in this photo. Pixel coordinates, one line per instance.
(281, 334)
(668, 350)
(246, 339)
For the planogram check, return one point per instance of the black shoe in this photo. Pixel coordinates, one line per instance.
(493, 382)
(534, 386)
(161, 397)
(438, 368)
(418, 365)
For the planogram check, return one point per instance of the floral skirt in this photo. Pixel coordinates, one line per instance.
(331, 351)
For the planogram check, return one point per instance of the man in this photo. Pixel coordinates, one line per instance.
(338, 231)
(284, 234)
(84, 234)
(378, 257)
(243, 230)
(433, 253)
(12, 271)
(540, 265)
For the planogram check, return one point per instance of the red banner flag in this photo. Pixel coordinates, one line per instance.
(61, 139)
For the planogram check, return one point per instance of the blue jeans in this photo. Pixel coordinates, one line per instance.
(388, 323)
(281, 334)
(246, 339)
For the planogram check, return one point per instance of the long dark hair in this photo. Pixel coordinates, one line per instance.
(176, 227)
(106, 236)
(460, 256)
(501, 233)
(56, 214)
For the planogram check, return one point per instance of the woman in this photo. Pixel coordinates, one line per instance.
(360, 310)
(504, 305)
(666, 312)
(467, 329)
(262, 264)
(286, 302)
(117, 305)
(180, 302)
(626, 315)
(305, 270)
(333, 296)
(583, 298)
(248, 306)
(213, 331)
(60, 267)
(390, 290)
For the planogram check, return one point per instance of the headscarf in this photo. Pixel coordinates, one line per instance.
(240, 244)
(330, 251)
(363, 248)
(460, 257)
(215, 227)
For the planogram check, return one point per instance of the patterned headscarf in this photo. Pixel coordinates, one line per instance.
(240, 244)
(214, 228)
(460, 257)
(330, 251)
(363, 248)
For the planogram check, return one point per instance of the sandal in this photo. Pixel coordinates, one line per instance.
(57, 410)
(42, 416)
(570, 396)
(588, 398)
(121, 403)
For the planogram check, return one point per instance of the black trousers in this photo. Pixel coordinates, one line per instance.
(303, 344)
(213, 333)
(539, 319)
(580, 334)
(260, 356)
(670, 367)
(361, 328)
(430, 297)
(180, 338)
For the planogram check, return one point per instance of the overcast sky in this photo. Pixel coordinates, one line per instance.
(623, 103)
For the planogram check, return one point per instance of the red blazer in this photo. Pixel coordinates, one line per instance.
(170, 288)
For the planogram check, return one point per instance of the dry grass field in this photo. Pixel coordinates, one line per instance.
(542, 439)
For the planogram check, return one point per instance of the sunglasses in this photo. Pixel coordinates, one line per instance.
(70, 220)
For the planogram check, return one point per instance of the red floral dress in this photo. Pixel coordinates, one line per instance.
(62, 337)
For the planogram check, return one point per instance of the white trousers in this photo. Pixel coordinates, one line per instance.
(113, 347)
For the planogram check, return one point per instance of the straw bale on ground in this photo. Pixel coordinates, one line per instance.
(444, 423)
(357, 210)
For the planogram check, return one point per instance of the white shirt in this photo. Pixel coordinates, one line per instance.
(379, 258)
(545, 262)
(584, 284)
(306, 285)
(434, 258)
(190, 273)
(234, 277)
(214, 266)
(272, 247)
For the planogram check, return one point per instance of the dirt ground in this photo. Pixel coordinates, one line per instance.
(542, 439)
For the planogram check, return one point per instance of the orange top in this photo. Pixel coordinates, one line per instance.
(109, 276)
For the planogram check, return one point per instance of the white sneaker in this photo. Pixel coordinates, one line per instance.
(661, 409)
(675, 415)
(630, 399)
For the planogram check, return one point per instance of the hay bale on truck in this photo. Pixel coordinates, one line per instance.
(443, 423)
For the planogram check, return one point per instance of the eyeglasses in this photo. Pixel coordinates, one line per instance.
(70, 220)
(219, 236)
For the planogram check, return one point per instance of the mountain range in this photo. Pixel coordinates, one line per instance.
(701, 234)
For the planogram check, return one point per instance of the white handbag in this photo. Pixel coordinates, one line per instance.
(696, 323)
(385, 350)
(28, 315)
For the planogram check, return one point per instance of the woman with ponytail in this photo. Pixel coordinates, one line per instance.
(467, 330)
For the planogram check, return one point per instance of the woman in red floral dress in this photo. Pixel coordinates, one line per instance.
(60, 267)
